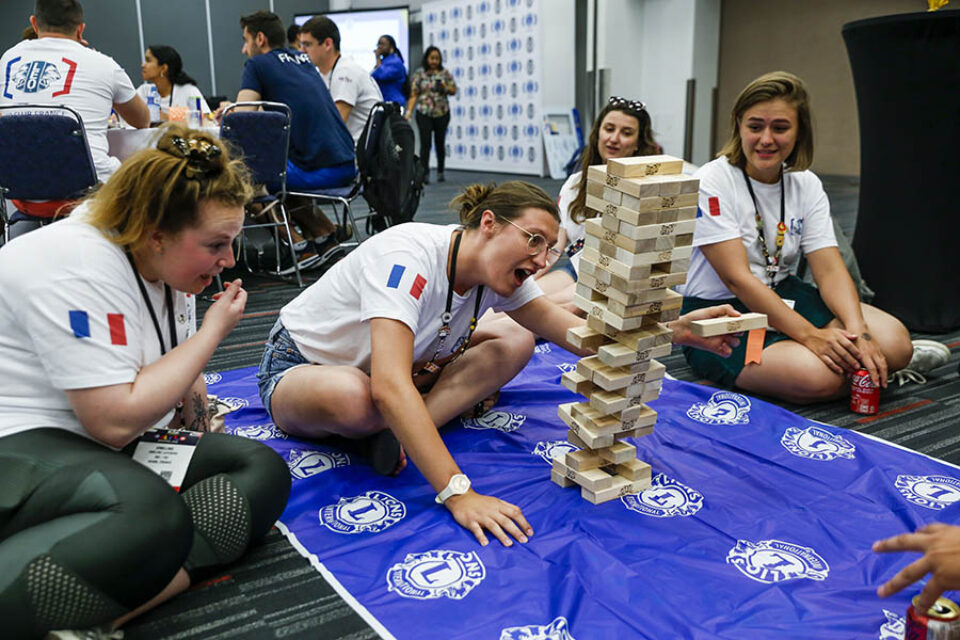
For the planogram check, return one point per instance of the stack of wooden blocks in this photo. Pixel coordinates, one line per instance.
(637, 246)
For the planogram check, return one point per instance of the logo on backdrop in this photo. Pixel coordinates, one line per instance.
(499, 420)
(817, 444)
(236, 403)
(666, 498)
(551, 450)
(436, 574)
(932, 492)
(567, 367)
(372, 512)
(268, 431)
(770, 561)
(304, 464)
(894, 628)
(556, 630)
(212, 378)
(543, 347)
(723, 407)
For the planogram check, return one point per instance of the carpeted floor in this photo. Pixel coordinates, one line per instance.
(273, 592)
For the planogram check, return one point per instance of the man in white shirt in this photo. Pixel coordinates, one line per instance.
(58, 68)
(352, 88)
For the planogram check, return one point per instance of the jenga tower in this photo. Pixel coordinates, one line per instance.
(637, 246)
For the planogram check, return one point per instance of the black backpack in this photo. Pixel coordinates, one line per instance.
(390, 171)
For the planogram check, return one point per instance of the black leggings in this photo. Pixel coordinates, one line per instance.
(87, 534)
(438, 126)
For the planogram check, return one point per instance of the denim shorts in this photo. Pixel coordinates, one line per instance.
(280, 355)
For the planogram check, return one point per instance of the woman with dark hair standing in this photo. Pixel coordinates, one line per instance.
(390, 72)
(622, 129)
(163, 68)
(429, 89)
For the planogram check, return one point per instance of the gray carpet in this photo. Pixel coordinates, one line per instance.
(273, 592)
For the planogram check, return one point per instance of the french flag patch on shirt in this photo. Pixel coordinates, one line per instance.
(396, 275)
(80, 324)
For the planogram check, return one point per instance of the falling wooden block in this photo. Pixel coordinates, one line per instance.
(721, 326)
(637, 166)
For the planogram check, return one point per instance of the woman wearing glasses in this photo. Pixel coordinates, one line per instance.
(386, 342)
(621, 129)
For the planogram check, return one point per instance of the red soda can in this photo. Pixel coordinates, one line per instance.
(939, 622)
(864, 395)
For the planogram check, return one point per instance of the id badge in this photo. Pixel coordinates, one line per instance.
(167, 452)
(789, 303)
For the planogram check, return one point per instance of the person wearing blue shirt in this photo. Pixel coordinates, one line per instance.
(321, 149)
(390, 72)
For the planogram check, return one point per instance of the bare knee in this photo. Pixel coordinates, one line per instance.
(339, 404)
(815, 388)
(898, 349)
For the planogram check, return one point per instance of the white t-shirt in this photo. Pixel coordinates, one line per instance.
(349, 83)
(180, 95)
(575, 231)
(400, 273)
(73, 317)
(62, 71)
(727, 212)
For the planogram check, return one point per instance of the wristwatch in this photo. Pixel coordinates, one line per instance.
(459, 484)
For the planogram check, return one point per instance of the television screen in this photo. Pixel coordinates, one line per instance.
(360, 30)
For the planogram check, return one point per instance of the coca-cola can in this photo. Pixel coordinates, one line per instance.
(939, 622)
(864, 395)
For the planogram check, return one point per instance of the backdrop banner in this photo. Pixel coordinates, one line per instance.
(758, 524)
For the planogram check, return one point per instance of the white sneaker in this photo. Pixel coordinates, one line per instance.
(927, 356)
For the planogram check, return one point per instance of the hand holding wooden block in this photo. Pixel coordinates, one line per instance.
(720, 326)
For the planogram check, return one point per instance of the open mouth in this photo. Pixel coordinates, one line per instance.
(521, 274)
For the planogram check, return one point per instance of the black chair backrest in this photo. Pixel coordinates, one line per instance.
(44, 154)
(263, 139)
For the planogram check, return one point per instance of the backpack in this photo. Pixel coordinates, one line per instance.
(390, 171)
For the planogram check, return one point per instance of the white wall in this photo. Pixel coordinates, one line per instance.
(558, 53)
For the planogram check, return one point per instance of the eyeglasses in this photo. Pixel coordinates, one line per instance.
(535, 242)
(618, 102)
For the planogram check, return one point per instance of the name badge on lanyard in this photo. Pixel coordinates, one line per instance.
(167, 452)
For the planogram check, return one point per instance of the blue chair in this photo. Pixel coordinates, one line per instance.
(260, 131)
(44, 156)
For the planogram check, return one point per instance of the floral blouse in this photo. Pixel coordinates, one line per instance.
(431, 100)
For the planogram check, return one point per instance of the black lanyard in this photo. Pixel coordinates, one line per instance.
(773, 263)
(168, 296)
(432, 366)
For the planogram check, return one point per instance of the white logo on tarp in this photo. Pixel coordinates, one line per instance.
(304, 464)
(723, 407)
(770, 561)
(543, 347)
(932, 492)
(236, 403)
(372, 512)
(556, 630)
(567, 367)
(212, 378)
(894, 628)
(267, 431)
(499, 420)
(666, 498)
(551, 450)
(817, 444)
(436, 574)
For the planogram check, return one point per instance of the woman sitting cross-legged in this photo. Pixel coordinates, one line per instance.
(386, 341)
(99, 346)
(760, 210)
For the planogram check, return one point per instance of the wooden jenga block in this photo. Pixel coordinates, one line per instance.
(618, 453)
(660, 277)
(583, 337)
(593, 479)
(565, 411)
(650, 258)
(616, 267)
(575, 440)
(619, 355)
(560, 479)
(607, 378)
(613, 293)
(687, 213)
(583, 459)
(672, 300)
(634, 470)
(615, 403)
(576, 382)
(588, 293)
(690, 186)
(721, 326)
(609, 221)
(619, 487)
(586, 415)
(631, 215)
(598, 189)
(636, 166)
(683, 240)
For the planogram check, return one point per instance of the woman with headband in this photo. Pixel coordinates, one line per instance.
(621, 129)
(760, 210)
(98, 351)
(385, 346)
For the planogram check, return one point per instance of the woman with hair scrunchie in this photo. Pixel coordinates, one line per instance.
(163, 67)
(100, 345)
(622, 129)
(385, 347)
(430, 89)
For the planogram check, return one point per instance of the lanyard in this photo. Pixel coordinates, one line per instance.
(773, 264)
(168, 296)
(432, 366)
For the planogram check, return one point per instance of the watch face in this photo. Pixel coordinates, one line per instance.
(459, 483)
